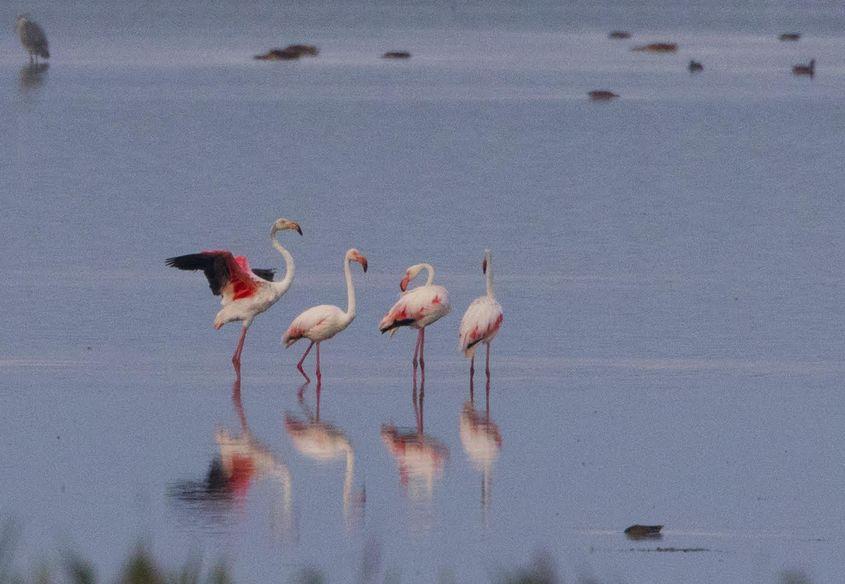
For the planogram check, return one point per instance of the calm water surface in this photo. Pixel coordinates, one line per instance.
(669, 264)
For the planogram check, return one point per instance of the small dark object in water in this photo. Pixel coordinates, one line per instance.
(657, 48)
(396, 55)
(695, 67)
(790, 36)
(637, 531)
(289, 53)
(304, 50)
(809, 69)
(602, 95)
(277, 55)
(619, 34)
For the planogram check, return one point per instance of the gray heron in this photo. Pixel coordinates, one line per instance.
(32, 38)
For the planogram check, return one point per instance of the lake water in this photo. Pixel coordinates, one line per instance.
(670, 266)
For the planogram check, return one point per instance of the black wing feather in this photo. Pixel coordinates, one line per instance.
(214, 266)
(397, 324)
(264, 274)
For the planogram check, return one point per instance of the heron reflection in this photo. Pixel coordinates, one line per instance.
(482, 441)
(420, 457)
(32, 76)
(325, 442)
(241, 462)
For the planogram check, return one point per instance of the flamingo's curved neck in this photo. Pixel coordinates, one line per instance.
(490, 293)
(282, 286)
(350, 291)
(430, 269)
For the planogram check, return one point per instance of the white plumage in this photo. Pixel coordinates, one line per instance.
(417, 308)
(482, 320)
(480, 324)
(322, 322)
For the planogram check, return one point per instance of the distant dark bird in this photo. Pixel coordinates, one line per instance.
(808, 69)
(657, 48)
(602, 95)
(32, 38)
(695, 67)
(637, 531)
(289, 53)
(396, 55)
(619, 34)
(790, 36)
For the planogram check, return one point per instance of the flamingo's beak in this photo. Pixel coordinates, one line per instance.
(403, 285)
(363, 261)
(297, 228)
(484, 266)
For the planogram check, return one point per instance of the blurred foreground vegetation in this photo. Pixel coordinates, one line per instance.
(141, 567)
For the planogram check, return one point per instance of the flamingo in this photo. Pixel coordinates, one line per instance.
(245, 292)
(320, 323)
(417, 308)
(482, 320)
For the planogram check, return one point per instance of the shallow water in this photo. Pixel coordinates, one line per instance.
(669, 265)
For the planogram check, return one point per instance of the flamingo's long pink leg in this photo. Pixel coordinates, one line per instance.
(471, 376)
(422, 356)
(488, 361)
(416, 350)
(319, 385)
(236, 358)
(301, 361)
(319, 374)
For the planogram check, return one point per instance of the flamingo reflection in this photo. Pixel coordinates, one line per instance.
(482, 441)
(324, 442)
(241, 461)
(420, 457)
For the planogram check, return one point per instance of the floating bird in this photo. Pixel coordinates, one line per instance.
(320, 323)
(245, 292)
(657, 48)
(602, 95)
(417, 308)
(289, 53)
(619, 34)
(482, 319)
(695, 67)
(32, 38)
(808, 69)
(643, 531)
(790, 36)
(396, 55)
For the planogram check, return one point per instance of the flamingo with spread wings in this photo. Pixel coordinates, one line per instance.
(417, 308)
(245, 292)
(320, 323)
(482, 320)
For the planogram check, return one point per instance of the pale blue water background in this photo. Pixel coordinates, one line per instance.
(669, 264)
